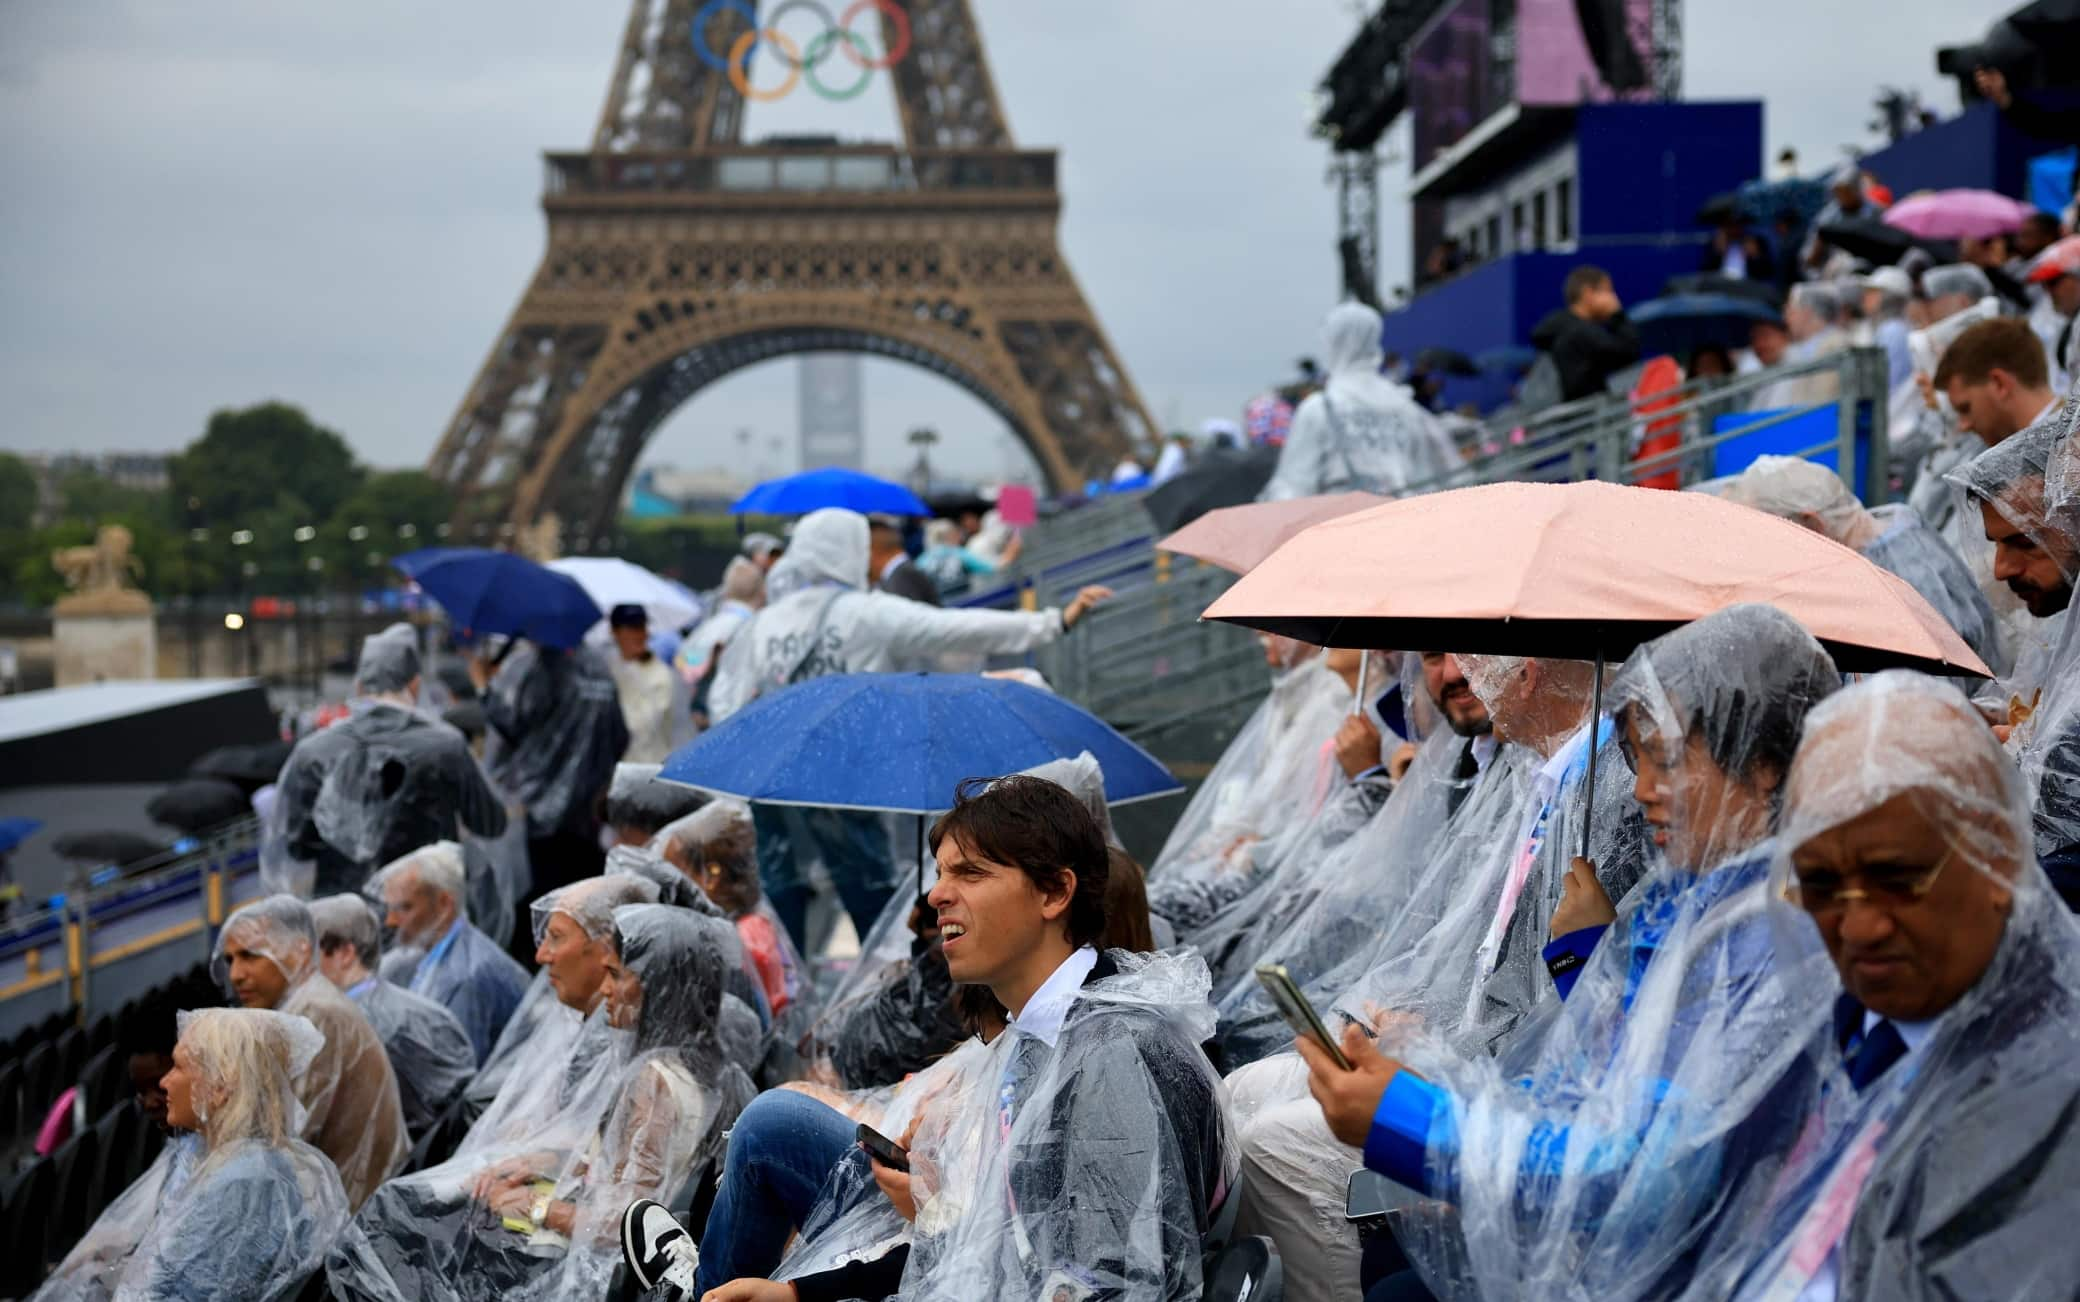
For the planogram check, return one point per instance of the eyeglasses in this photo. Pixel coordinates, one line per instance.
(1884, 885)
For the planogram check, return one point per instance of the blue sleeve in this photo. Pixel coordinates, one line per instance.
(1566, 955)
(1398, 1146)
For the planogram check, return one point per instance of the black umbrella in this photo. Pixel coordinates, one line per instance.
(2044, 22)
(1220, 479)
(951, 505)
(1446, 361)
(251, 767)
(106, 847)
(1868, 238)
(1710, 282)
(1720, 210)
(194, 804)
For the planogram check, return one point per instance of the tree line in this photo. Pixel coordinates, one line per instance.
(265, 501)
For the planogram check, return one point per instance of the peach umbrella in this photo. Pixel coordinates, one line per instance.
(1238, 538)
(1584, 571)
(1577, 571)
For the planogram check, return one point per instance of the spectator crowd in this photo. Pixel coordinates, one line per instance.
(1783, 1005)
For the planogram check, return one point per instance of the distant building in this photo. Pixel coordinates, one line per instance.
(150, 472)
(832, 410)
(667, 490)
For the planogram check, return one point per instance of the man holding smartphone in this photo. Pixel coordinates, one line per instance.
(1095, 1163)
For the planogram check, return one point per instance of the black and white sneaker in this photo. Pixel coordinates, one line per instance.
(657, 1248)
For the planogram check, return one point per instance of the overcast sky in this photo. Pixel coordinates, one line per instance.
(207, 203)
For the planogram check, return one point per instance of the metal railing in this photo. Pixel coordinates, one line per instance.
(1596, 438)
(771, 170)
(52, 955)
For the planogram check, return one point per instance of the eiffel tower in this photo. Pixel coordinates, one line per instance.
(678, 254)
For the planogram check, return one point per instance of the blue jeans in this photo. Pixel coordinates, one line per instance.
(781, 1150)
(854, 849)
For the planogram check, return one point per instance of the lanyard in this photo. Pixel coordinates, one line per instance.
(1820, 1229)
(1527, 851)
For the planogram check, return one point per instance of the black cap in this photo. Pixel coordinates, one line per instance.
(628, 616)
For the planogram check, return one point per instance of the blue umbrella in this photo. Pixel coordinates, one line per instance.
(812, 490)
(902, 743)
(14, 831)
(1683, 323)
(498, 592)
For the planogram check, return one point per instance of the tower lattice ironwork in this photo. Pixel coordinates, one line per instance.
(678, 254)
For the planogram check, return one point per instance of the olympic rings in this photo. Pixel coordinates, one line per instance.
(707, 15)
(821, 46)
(740, 66)
(812, 58)
(737, 63)
(896, 49)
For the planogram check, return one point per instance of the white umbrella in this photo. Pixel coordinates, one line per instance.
(611, 581)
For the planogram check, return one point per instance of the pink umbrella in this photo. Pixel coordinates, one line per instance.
(2060, 259)
(1238, 538)
(1957, 214)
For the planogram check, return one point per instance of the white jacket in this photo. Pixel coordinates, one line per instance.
(820, 619)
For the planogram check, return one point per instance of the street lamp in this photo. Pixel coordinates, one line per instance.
(922, 438)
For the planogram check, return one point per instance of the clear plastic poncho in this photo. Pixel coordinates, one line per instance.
(1463, 955)
(1275, 774)
(1892, 536)
(636, 798)
(852, 1220)
(2010, 476)
(430, 1053)
(726, 824)
(820, 618)
(258, 1210)
(1348, 874)
(558, 1080)
(2014, 479)
(674, 1097)
(1597, 1151)
(356, 794)
(1956, 1171)
(89, 1271)
(1098, 1161)
(462, 969)
(349, 1093)
(1363, 431)
(561, 733)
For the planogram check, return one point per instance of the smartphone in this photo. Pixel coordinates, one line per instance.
(1299, 1014)
(1368, 1194)
(885, 1150)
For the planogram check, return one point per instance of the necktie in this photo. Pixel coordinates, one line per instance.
(1463, 775)
(1880, 1047)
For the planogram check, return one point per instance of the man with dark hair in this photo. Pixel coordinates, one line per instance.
(653, 702)
(1996, 379)
(1091, 1151)
(1589, 340)
(888, 562)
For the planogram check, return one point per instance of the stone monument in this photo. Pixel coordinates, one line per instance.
(103, 628)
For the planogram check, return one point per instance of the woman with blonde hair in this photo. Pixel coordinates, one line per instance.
(260, 1208)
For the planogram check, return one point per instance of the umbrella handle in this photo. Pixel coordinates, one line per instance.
(1358, 692)
(1595, 727)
